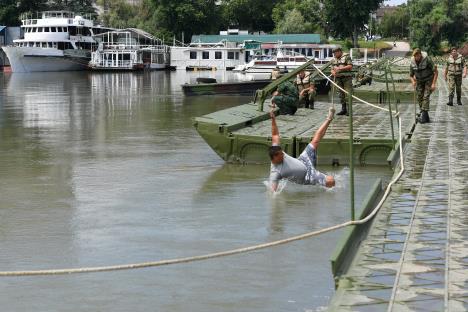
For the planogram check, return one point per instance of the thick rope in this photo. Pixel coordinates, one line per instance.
(233, 251)
(343, 90)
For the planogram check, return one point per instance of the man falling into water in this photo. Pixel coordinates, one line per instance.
(301, 170)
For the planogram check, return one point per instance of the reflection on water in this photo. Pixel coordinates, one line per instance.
(106, 168)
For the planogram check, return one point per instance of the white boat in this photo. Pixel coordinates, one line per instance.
(53, 41)
(265, 64)
(129, 49)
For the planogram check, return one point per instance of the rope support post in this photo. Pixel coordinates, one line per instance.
(351, 154)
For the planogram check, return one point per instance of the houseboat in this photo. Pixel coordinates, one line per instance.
(198, 56)
(129, 49)
(53, 41)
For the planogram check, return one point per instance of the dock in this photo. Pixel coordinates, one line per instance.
(415, 255)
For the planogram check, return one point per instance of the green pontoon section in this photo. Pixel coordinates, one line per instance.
(243, 133)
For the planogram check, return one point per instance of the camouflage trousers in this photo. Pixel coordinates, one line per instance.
(454, 82)
(347, 84)
(423, 93)
(287, 104)
(307, 99)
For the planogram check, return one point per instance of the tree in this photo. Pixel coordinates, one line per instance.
(428, 20)
(292, 23)
(119, 14)
(396, 23)
(10, 10)
(76, 6)
(253, 15)
(308, 10)
(347, 18)
(185, 16)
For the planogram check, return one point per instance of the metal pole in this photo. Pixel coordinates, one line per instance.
(351, 153)
(389, 107)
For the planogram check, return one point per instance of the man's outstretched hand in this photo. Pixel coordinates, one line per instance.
(331, 113)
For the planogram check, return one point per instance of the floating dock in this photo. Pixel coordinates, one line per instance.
(243, 134)
(242, 87)
(415, 255)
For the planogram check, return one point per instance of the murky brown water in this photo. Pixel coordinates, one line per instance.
(102, 169)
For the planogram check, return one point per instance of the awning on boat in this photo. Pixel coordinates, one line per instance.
(2, 28)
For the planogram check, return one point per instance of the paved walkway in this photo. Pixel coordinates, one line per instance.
(401, 49)
(415, 257)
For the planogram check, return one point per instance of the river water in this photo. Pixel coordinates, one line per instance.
(106, 168)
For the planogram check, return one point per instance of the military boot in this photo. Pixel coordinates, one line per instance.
(450, 102)
(343, 111)
(312, 103)
(424, 118)
(459, 102)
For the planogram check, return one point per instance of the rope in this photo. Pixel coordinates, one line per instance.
(232, 251)
(343, 90)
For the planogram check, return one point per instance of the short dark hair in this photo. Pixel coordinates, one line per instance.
(337, 49)
(275, 149)
(453, 48)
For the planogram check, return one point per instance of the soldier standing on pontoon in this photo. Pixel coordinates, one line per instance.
(342, 67)
(455, 71)
(423, 74)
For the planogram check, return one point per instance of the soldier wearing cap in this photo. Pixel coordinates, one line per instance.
(423, 74)
(285, 98)
(306, 89)
(342, 67)
(455, 71)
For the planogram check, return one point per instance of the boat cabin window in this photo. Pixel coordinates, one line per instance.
(237, 55)
(230, 55)
(193, 55)
(330, 52)
(317, 54)
(205, 55)
(218, 55)
(49, 44)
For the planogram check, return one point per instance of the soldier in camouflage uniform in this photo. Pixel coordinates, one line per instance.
(306, 89)
(286, 98)
(423, 74)
(455, 71)
(342, 67)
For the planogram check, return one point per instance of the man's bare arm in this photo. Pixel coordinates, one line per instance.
(275, 137)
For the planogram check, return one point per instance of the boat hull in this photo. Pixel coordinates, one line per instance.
(29, 59)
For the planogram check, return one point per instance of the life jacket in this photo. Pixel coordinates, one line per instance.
(303, 83)
(455, 66)
(342, 62)
(424, 70)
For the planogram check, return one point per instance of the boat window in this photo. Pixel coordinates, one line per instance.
(39, 29)
(317, 54)
(49, 44)
(230, 55)
(218, 55)
(44, 44)
(193, 55)
(34, 29)
(237, 55)
(53, 29)
(72, 30)
(205, 55)
(46, 29)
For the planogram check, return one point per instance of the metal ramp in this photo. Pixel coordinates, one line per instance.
(415, 257)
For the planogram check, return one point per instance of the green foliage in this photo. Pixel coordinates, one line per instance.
(429, 20)
(347, 18)
(396, 24)
(253, 15)
(306, 14)
(119, 14)
(76, 6)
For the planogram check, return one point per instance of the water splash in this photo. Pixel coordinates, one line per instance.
(281, 186)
